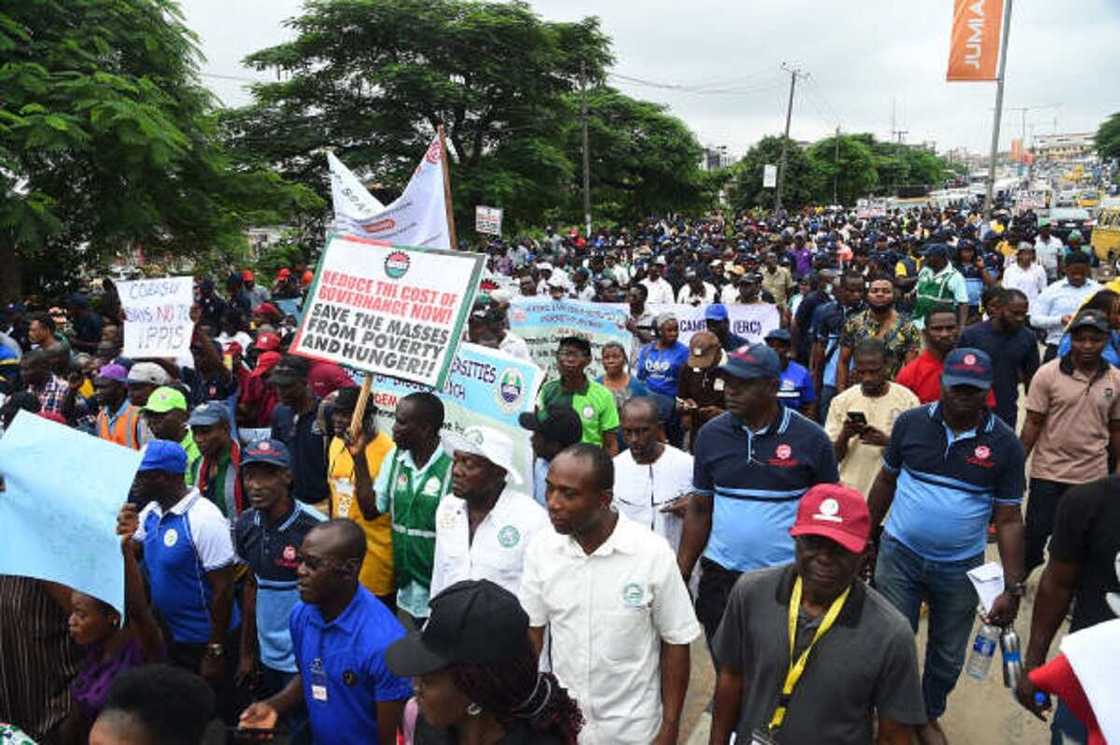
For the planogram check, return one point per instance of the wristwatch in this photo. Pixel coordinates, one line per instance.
(215, 650)
(1019, 589)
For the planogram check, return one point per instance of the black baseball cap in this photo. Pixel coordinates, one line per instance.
(473, 622)
(1090, 318)
(558, 423)
(290, 369)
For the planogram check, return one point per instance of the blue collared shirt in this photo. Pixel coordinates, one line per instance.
(948, 482)
(756, 480)
(1058, 300)
(342, 668)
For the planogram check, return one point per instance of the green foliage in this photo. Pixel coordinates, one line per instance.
(108, 142)
(374, 78)
(801, 183)
(1108, 138)
(846, 161)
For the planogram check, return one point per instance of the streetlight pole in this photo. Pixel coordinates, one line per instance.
(999, 111)
(793, 73)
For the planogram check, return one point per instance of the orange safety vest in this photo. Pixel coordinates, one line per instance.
(124, 431)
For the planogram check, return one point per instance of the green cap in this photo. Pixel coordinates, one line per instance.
(165, 399)
(1075, 234)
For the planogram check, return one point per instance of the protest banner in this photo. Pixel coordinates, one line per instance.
(752, 322)
(157, 316)
(389, 310)
(486, 387)
(542, 323)
(488, 220)
(60, 513)
(419, 217)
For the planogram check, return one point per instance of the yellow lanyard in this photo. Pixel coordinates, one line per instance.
(798, 667)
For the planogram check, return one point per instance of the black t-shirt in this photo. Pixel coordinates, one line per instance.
(1087, 533)
(1012, 354)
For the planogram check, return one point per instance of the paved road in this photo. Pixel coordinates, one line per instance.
(980, 712)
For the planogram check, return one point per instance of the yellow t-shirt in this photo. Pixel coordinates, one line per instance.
(377, 568)
(861, 465)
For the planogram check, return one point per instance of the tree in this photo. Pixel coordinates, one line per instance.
(800, 184)
(848, 160)
(107, 142)
(1107, 138)
(374, 78)
(643, 160)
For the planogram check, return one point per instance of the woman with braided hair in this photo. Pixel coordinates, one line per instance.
(476, 677)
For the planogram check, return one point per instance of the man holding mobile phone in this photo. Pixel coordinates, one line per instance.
(860, 419)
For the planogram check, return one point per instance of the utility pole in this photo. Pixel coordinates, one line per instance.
(836, 165)
(998, 113)
(586, 152)
(794, 72)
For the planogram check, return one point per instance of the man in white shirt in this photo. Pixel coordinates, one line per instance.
(1057, 304)
(695, 290)
(1049, 248)
(660, 291)
(619, 616)
(651, 479)
(484, 525)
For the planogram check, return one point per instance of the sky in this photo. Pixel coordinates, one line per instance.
(865, 59)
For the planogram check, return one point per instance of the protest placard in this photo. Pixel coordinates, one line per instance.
(389, 310)
(486, 387)
(157, 316)
(60, 513)
(752, 322)
(488, 220)
(543, 322)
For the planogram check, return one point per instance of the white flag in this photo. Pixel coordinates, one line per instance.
(417, 218)
(351, 200)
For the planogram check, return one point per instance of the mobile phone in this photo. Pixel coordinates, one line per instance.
(858, 417)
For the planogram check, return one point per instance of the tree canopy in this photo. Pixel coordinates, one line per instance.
(372, 79)
(1107, 138)
(108, 142)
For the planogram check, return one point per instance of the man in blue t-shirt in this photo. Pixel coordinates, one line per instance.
(340, 632)
(1011, 346)
(825, 329)
(751, 465)
(266, 537)
(796, 387)
(946, 465)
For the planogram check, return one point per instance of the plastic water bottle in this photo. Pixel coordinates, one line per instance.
(1012, 661)
(983, 650)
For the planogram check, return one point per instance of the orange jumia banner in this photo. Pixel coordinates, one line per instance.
(974, 41)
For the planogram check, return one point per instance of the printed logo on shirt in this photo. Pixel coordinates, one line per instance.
(783, 451)
(981, 456)
(171, 537)
(508, 536)
(431, 488)
(783, 457)
(633, 594)
(588, 412)
(287, 558)
(827, 511)
(402, 481)
(349, 677)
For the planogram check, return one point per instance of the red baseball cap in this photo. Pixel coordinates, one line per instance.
(835, 512)
(267, 342)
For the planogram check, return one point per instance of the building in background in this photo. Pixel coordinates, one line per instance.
(1063, 148)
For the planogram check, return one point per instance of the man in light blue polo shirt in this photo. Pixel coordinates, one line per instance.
(340, 632)
(751, 465)
(945, 467)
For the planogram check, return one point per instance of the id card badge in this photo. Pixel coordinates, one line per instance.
(318, 681)
(717, 384)
(762, 737)
(345, 489)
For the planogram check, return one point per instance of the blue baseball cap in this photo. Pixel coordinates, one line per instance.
(272, 452)
(778, 335)
(936, 249)
(164, 455)
(715, 312)
(208, 414)
(967, 366)
(753, 361)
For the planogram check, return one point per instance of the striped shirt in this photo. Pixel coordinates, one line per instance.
(37, 658)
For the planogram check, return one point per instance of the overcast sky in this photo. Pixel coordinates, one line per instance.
(861, 55)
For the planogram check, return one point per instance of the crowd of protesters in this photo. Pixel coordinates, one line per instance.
(799, 501)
